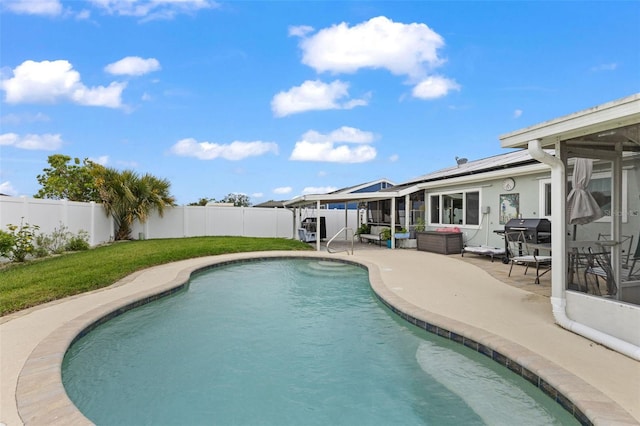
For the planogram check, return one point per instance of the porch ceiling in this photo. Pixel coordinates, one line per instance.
(605, 126)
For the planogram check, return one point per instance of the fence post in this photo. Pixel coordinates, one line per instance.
(92, 221)
(185, 220)
(25, 208)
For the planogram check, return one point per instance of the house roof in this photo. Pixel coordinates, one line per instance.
(271, 204)
(356, 188)
(462, 173)
(483, 165)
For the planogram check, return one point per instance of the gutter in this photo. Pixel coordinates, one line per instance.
(558, 245)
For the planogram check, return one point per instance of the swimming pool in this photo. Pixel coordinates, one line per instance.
(288, 342)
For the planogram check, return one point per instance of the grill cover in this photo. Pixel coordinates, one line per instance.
(535, 230)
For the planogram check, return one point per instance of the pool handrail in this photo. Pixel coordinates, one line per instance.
(346, 229)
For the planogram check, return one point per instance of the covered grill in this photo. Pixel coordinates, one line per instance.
(536, 231)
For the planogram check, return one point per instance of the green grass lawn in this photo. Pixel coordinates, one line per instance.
(39, 281)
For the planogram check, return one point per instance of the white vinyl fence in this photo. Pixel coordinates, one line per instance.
(177, 222)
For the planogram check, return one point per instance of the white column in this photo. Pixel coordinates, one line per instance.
(346, 219)
(407, 210)
(393, 222)
(318, 225)
(616, 214)
(559, 227)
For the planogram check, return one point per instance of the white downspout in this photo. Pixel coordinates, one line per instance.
(558, 248)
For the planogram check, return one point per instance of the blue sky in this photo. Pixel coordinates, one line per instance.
(275, 99)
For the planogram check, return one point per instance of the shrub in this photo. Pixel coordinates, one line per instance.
(55, 242)
(364, 229)
(78, 242)
(23, 239)
(6, 243)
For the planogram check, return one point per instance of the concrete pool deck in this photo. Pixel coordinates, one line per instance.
(447, 291)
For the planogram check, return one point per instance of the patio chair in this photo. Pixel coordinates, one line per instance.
(520, 253)
(626, 242)
(599, 266)
(634, 259)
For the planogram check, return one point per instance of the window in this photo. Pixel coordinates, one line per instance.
(545, 198)
(457, 208)
(599, 186)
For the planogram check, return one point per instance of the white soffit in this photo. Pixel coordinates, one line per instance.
(611, 115)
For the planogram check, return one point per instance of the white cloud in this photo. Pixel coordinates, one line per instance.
(316, 146)
(314, 95)
(83, 14)
(16, 119)
(102, 160)
(34, 7)
(128, 164)
(282, 190)
(300, 30)
(53, 81)
(605, 67)
(234, 151)
(434, 87)
(153, 9)
(517, 113)
(46, 142)
(343, 134)
(6, 188)
(402, 49)
(257, 195)
(133, 65)
(393, 158)
(318, 189)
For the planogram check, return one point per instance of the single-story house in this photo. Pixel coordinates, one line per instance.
(536, 181)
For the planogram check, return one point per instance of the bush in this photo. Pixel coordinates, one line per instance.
(6, 243)
(23, 239)
(78, 242)
(364, 229)
(55, 242)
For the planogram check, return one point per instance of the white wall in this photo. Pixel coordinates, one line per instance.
(177, 222)
(606, 315)
(52, 214)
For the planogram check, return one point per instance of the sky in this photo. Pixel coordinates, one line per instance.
(276, 99)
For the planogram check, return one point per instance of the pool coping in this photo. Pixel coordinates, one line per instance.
(41, 397)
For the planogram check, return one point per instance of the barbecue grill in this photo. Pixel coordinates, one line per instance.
(536, 231)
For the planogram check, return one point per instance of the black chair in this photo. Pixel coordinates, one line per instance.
(599, 266)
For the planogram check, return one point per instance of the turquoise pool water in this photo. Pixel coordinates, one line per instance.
(288, 342)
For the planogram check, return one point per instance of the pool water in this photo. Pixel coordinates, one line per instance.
(288, 342)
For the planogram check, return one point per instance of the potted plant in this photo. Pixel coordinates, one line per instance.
(402, 233)
(386, 234)
(417, 227)
(364, 229)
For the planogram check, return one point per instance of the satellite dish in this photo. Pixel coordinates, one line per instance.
(461, 160)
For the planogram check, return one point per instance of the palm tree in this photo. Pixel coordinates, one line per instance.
(127, 197)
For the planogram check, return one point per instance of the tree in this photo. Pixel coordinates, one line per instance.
(64, 181)
(202, 202)
(128, 197)
(238, 200)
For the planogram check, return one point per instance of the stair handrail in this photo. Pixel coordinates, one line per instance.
(346, 229)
